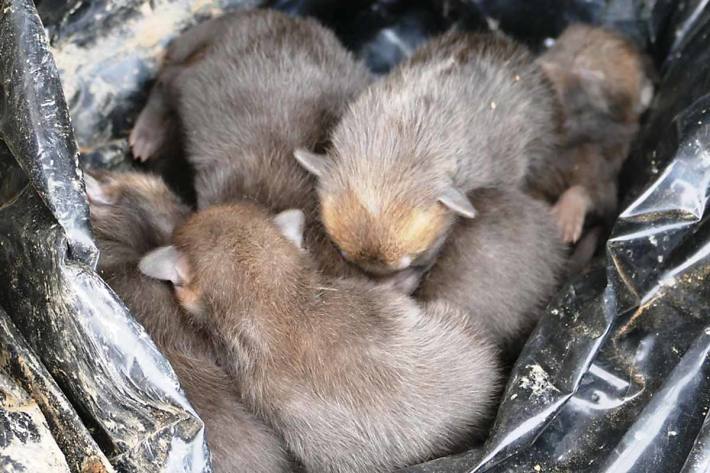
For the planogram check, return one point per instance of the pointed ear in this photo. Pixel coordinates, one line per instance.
(166, 264)
(590, 75)
(457, 202)
(549, 68)
(290, 223)
(593, 81)
(311, 162)
(97, 192)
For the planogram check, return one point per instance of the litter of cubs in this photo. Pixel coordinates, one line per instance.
(366, 255)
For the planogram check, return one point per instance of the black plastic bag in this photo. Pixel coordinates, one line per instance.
(614, 378)
(56, 426)
(109, 369)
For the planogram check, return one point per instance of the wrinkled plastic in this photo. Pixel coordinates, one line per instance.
(19, 367)
(26, 443)
(614, 378)
(104, 362)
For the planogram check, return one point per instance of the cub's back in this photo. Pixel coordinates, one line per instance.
(269, 81)
(473, 106)
(501, 266)
(404, 384)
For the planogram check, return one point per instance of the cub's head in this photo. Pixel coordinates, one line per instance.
(380, 228)
(226, 255)
(131, 212)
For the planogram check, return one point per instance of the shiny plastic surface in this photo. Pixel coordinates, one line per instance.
(123, 388)
(26, 442)
(21, 373)
(614, 379)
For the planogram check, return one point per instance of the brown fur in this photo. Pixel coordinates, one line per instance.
(132, 213)
(502, 266)
(238, 440)
(466, 112)
(373, 245)
(355, 377)
(602, 83)
(264, 84)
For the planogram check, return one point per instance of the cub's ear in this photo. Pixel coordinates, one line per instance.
(591, 75)
(550, 69)
(290, 223)
(166, 264)
(98, 192)
(457, 202)
(314, 163)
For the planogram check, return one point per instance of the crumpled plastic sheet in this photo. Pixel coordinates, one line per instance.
(77, 448)
(26, 444)
(614, 378)
(101, 358)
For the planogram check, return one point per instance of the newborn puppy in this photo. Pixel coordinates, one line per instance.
(502, 266)
(133, 213)
(249, 88)
(601, 81)
(467, 111)
(355, 377)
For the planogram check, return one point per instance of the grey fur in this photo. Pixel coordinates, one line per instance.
(238, 440)
(137, 213)
(467, 110)
(454, 113)
(252, 87)
(357, 378)
(502, 266)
